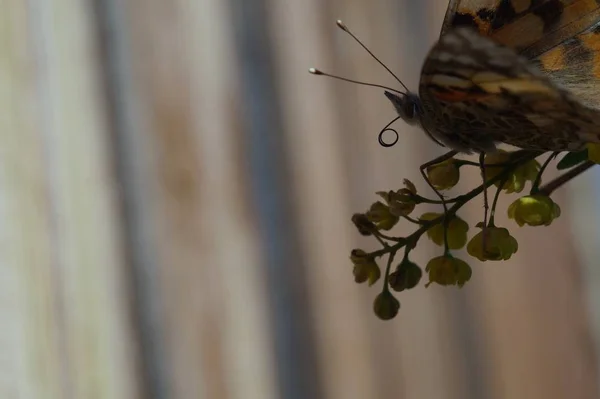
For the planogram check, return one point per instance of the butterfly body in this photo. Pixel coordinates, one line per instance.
(477, 90)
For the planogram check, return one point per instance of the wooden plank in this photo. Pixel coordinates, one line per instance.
(31, 362)
(72, 337)
(314, 138)
(332, 133)
(190, 180)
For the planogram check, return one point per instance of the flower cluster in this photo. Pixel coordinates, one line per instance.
(504, 172)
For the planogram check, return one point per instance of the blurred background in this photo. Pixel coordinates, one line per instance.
(175, 198)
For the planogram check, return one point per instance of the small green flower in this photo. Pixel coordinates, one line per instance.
(457, 230)
(365, 267)
(364, 226)
(410, 186)
(534, 210)
(444, 175)
(401, 202)
(448, 270)
(380, 215)
(500, 245)
(386, 306)
(515, 182)
(406, 276)
(593, 152)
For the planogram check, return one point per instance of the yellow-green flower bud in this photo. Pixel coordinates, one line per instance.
(365, 267)
(457, 230)
(448, 270)
(361, 273)
(444, 175)
(406, 276)
(410, 186)
(380, 214)
(500, 245)
(359, 257)
(402, 208)
(593, 152)
(386, 306)
(516, 180)
(401, 202)
(369, 272)
(534, 210)
(363, 224)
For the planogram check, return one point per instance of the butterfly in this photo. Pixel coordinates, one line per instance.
(520, 72)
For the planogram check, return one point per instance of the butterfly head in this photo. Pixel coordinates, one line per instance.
(408, 106)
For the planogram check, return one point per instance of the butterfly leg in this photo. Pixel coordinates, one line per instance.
(422, 169)
(485, 201)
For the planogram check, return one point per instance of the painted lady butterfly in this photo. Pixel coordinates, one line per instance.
(520, 72)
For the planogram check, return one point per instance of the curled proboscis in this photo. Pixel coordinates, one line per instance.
(387, 128)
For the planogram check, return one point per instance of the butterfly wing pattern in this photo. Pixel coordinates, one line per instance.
(521, 72)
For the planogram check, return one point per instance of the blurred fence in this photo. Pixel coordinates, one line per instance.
(176, 193)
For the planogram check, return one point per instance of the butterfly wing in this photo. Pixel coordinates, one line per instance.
(575, 65)
(475, 93)
(562, 37)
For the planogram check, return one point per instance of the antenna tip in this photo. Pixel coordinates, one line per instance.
(341, 25)
(315, 71)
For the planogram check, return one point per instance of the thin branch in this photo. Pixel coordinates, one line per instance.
(424, 167)
(463, 162)
(387, 272)
(461, 200)
(379, 234)
(516, 157)
(538, 179)
(495, 202)
(412, 220)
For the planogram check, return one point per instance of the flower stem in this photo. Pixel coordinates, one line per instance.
(495, 201)
(538, 179)
(524, 156)
(446, 218)
(412, 220)
(387, 271)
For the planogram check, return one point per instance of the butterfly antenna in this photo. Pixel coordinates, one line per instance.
(316, 71)
(343, 27)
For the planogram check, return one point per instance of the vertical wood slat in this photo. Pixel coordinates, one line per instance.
(358, 352)
(248, 364)
(61, 233)
(582, 204)
(31, 359)
(212, 306)
(131, 158)
(82, 197)
(293, 346)
(318, 182)
(370, 370)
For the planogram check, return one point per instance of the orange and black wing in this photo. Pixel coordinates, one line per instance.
(561, 36)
